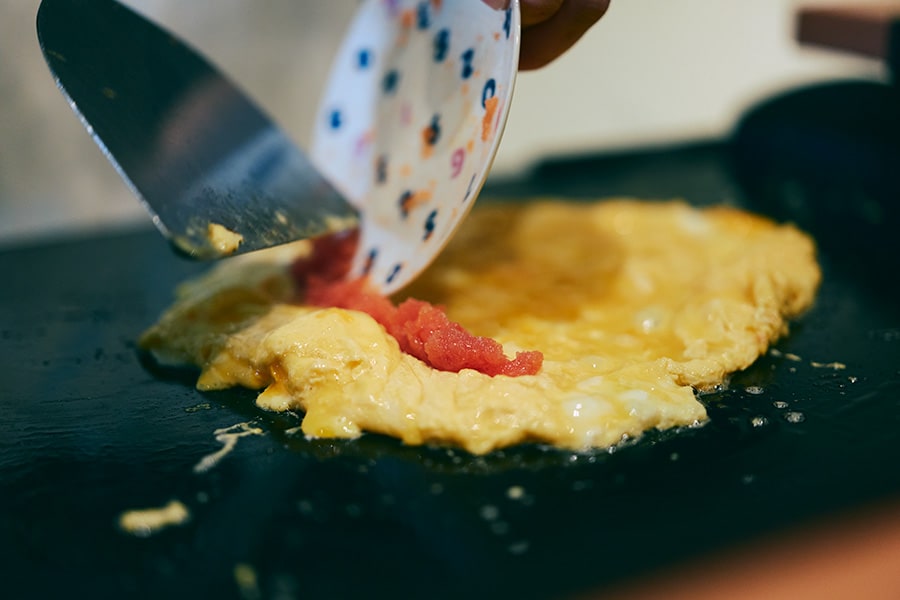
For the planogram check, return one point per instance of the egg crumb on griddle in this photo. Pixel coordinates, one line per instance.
(147, 521)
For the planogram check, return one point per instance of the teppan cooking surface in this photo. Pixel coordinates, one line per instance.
(90, 430)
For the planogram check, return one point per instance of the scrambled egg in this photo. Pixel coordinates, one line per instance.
(222, 239)
(635, 305)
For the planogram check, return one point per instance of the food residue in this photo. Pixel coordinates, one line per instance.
(228, 437)
(147, 521)
(247, 581)
(222, 239)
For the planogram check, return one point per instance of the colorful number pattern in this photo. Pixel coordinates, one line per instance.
(411, 120)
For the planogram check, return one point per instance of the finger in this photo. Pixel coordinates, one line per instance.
(538, 11)
(545, 41)
(497, 4)
(532, 11)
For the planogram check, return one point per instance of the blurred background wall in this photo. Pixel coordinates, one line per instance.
(651, 72)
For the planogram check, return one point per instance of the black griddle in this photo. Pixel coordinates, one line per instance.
(90, 429)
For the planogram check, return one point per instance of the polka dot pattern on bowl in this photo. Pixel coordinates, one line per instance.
(410, 122)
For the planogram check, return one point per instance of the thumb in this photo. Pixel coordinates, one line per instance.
(497, 4)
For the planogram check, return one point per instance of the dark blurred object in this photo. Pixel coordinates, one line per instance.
(827, 157)
(696, 171)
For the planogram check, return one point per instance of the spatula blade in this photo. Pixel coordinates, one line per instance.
(216, 174)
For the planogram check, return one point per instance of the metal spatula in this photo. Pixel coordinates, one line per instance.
(217, 175)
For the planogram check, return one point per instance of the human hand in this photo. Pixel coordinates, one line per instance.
(550, 27)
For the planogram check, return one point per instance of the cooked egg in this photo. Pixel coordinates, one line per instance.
(635, 306)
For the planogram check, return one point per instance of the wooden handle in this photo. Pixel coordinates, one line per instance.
(868, 30)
